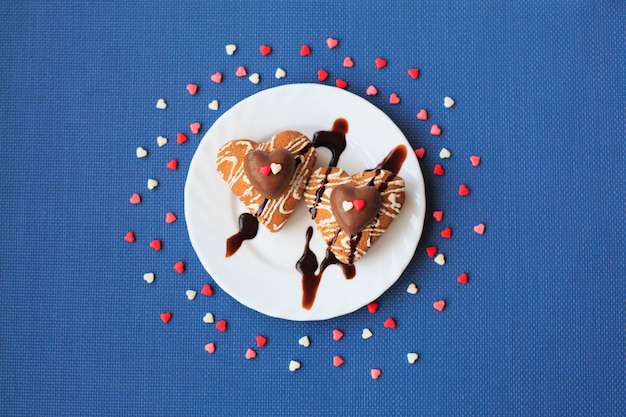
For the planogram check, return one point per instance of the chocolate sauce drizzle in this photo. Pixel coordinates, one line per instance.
(248, 228)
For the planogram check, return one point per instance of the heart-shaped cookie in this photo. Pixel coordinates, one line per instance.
(342, 206)
(268, 178)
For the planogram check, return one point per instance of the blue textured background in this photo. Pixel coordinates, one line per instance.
(539, 329)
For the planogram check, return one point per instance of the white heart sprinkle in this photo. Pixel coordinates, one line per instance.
(230, 49)
(208, 318)
(141, 152)
(294, 366)
(448, 102)
(152, 184)
(367, 333)
(148, 277)
(412, 288)
(161, 140)
(161, 104)
(347, 205)
(191, 294)
(280, 73)
(276, 168)
(440, 259)
(304, 341)
(412, 357)
(444, 153)
(254, 78)
(214, 105)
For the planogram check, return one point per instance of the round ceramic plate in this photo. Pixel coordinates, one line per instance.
(262, 274)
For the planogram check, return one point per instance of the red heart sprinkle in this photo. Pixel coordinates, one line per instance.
(438, 215)
(265, 170)
(394, 98)
(192, 88)
(439, 305)
(210, 347)
(173, 165)
(475, 160)
(479, 228)
(195, 127)
(446, 233)
(462, 279)
(207, 290)
(156, 244)
(341, 83)
(375, 373)
(337, 334)
(419, 152)
(135, 199)
(380, 63)
(463, 190)
(348, 62)
(129, 237)
(358, 204)
(221, 325)
(435, 130)
(305, 50)
(261, 341)
(390, 323)
(422, 115)
(250, 353)
(181, 138)
(414, 73)
(265, 50)
(337, 361)
(332, 43)
(179, 267)
(170, 217)
(371, 91)
(431, 251)
(217, 77)
(438, 170)
(241, 72)
(322, 75)
(372, 307)
(166, 317)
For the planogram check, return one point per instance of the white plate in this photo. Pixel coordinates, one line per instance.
(262, 274)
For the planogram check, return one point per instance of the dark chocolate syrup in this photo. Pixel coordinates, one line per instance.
(307, 265)
(248, 228)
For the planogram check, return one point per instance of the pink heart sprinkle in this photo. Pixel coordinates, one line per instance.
(241, 72)
(394, 98)
(135, 199)
(446, 233)
(479, 228)
(358, 204)
(207, 290)
(166, 317)
(431, 251)
(435, 130)
(380, 63)
(156, 245)
(250, 353)
(129, 237)
(195, 127)
(170, 217)
(210, 347)
(181, 138)
(337, 334)
(265, 50)
(463, 190)
(372, 307)
(462, 279)
(265, 170)
(221, 325)
(438, 170)
(390, 323)
(439, 305)
(192, 88)
(217, 77)
(475, 160)
(438, 215)
(341, 83)
(332, 43)
(375, 373)
(337, 361)
(261, 341)
(422, 115)
(414, 73)
(419, 152)
(348, 62)
(305, 50)
(173, 165)
(179, 267)
(322, 75)
(371, 91)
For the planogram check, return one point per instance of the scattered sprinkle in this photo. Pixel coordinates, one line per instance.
(221, 325)
(129, 237)
(135, 199)
(332, 43)
(191, 294)
(337, 361)
(444, 153)
(413, 73)
(463, 278)
(448, 102)
(214, 105)
(380, 63)
(440, 259)
(438, 215)
(305, 50)
(463, 190)
(375, 373)
(172, 165)
(161, 104)
(181, 138)
(241, 71)
(479, 228)
(261, 341)
(475, 160)
(195, 127)
(208, 318)
(141, 152)
(170, 217)
(161, 141)
(435, 130)
(390, 323)
(304, 341)
(439, 305)
(152, 184)
(337, 334)
(412, 289)
(394, 98)
(231, 48)
(156, 245)
(446, 233)
(179, 267)
(438, 170)
(366, 334)
(217, 77)
(372, 307)
(412, 357)
(420, 152)
(148, 277)
(294, 365)
(371, 91)
(210, 348)
(254, 78)
(341, 83)
(192, 89)
(431, 251)
(280, 73)
(348, 62)
(265, 50)
(166, 317)
(422, 115)
(322, 75)
(207, 290)
(250, 353)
